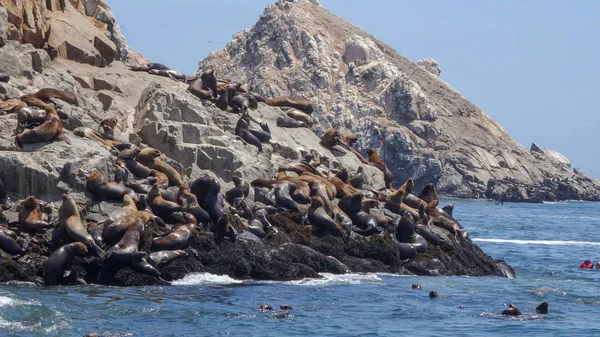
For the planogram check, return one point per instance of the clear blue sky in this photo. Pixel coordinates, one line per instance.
(530, 65)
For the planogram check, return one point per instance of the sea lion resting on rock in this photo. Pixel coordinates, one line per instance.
(96, 232)
(301, 104)
(362, 222)
(70, 221)
(149, 158)
(126, 158)
(387, 174)
(205, 87)
(51, 129)
(317, 216)
(30, 215)
(236, 195)
(106, 128)
(84, 132)
(107, 190)
(148, 66)
(242, 130)
(178, 237)
(114, 231)
(47, 94)
(61, 260)
(300, 116)
(174, 75)
(158, 259)
(263, 135)
(9, 244)
(161, 207)
(126, 250)
(31, 116)
(284, 121)
(331, 138)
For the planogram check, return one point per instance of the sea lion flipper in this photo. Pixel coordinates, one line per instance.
(98, 250)
(56, 233)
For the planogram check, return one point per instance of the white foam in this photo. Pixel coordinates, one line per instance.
(540, 242)
(11, 302)
(337, 279)
(205, 278)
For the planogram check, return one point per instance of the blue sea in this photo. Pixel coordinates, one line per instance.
(545, 243)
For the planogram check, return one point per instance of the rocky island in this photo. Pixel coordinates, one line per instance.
(156, 174)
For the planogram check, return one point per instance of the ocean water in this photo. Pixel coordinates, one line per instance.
(545, 243)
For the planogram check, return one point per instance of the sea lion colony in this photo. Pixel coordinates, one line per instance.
(152, 194)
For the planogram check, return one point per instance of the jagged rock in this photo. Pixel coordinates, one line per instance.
(425, 129)
(430, 65)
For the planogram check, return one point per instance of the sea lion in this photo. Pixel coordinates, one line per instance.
(542, 308)
(300, 117)
(252, 101)
(30, 116)
(4, 199)
(70, 221)
(387, 174)
(301, 104)
(50, 130)
(12, 105)
(106, 128)
(107, 190)
(310, 178)
(448, 209)
(349, 139)
(428, 194)
(284, 121)
(129, 207)
(342, 189)
(236, 195)
(222, 102)
(416, 287)
(317, 216)
(242, 130)
(162, 180)
(213, 201)
(259, 98)
(84, 132)
(259, 224)
(331, 138)
(433, 294)
(298, 168)
(343, 176)
(114, 231)
(178, 237)
(244, 87)
(141, 264)
(174, 75)
(196, 88)
(320, 190)
(413, 201)
(149, 158)
(148, 66)
(394, 201)
(126, 250)
(126, 158)
(443, 222)
(209, 81)
(161, 258)
(161, 207)
(263, 135)
(342, 218)
(9, 244)
(405, 233)
(512, 310)
(96, 232)
(239, 104)
(47, 94)
(362, 222)
(359, 178)
(30, 215)
(189, 203)
(283, 198)
(61, 260)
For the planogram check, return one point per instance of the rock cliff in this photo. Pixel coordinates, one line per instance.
(423, 128)
(40, 49)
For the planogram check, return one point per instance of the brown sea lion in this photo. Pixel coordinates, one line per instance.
(50, 130)
(162, 180)
(317, 216)
(196, 88)
(387, 174)
(394, 201)
(114, 231)
(342, 189)
(30, 215)
(245, 87)
(47, 94)
(161, 207)
(285, 121)
(239, 104)
(126, 158)
(148, 66)
(106, 128)
(107, 190)
(70, 221)
(61, 260)
(209, 81)
(309, 178)
(223, 101)
(28, 116)
(301, 192)
(12, 105)
(298, 168)
(443, 222)
(301, 104)
(238, 194)
(331, 138)
(178, 237)
(126, 250)
(283, 196)
(349, 139)
(149, 158)
(129, 207)
(259, 97)
(300, 116)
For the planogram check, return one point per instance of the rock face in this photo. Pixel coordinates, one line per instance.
(423, 128)
(195, 137)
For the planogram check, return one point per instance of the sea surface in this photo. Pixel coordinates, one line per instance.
(545, 243)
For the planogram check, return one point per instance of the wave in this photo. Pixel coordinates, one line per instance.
(539, 242)
(338, 279)
(11, 302)
(205, 278)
